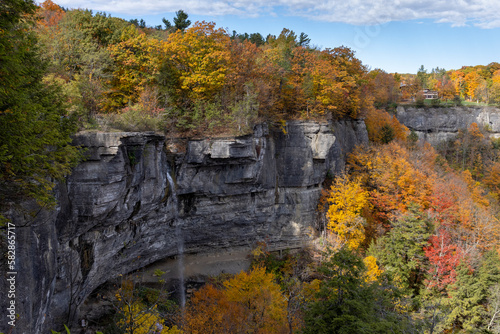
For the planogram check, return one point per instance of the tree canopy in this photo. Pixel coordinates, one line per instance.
(34, 125)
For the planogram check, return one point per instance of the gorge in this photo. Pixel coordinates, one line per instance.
(143, 201)
(117, 211)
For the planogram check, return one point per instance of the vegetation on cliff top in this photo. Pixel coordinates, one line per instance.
(197, 79)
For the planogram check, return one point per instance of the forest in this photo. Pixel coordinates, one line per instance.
(411, 233)
(478, 83)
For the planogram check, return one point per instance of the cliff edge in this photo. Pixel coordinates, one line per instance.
(133, 203)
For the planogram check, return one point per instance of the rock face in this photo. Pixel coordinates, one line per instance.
(438, 124)
(118, 211)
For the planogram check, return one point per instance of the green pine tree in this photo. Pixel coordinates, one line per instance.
(465, 299)
(181, 21)
(347, 303)
(470, 294)
(35, 130)
(401, 250)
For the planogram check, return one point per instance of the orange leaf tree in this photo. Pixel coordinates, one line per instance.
(384, 87)
(49, 15)
(248, 303)
(392, 179)
(340, 88)
(383, 128)
(209, 311)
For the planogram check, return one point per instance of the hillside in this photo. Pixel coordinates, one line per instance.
(186, 180)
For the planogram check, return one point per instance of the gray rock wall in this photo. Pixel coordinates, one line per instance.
(438, 124)
(118, 212)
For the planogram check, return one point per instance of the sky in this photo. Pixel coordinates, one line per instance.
(393, 35)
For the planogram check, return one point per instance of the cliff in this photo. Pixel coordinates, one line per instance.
(438, 124)
(134, 203)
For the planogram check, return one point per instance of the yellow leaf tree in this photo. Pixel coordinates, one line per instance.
(373, 271)
(264, 305)
(473, 80)
(495, 87)
(250, 302)
(346, 201)
(199, 58)
(138, 318)
(137, 60)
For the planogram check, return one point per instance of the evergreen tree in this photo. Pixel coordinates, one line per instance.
(304, 40)
(167, 23)
(348, 303)
(34, 128)
(181, 21)
(465, 298)
(489, 271)
(469, 294)
(257, 39)
(422, 77)
(387, 134)
(489, 282)
(412, 139)
(401, 250)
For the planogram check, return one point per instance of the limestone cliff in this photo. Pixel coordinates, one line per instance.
(437, 124)
(119, 211)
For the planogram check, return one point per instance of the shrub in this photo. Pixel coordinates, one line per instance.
(136, 119)
(435, 102)
(386, 134)
(383, 128)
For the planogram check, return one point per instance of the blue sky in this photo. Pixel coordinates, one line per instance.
(395, 35)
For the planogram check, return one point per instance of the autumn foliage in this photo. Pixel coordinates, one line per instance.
(136, 317)
(346, 200)
(426, 214)
(199, 59)
(393, 180)
(408, 240)
(247, 303)
(472, 83)
(416, 229)
(199, 78)
(444, 257)
(383, 127)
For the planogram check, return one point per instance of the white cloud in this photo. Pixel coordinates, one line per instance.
(481, 13)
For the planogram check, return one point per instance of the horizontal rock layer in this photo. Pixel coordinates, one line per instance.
(133, 203)
(437, 124)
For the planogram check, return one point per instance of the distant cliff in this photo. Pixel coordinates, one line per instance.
(133, 201)
(437, 124)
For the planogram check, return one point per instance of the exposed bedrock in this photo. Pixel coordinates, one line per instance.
(117, 212)
(438, 124)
